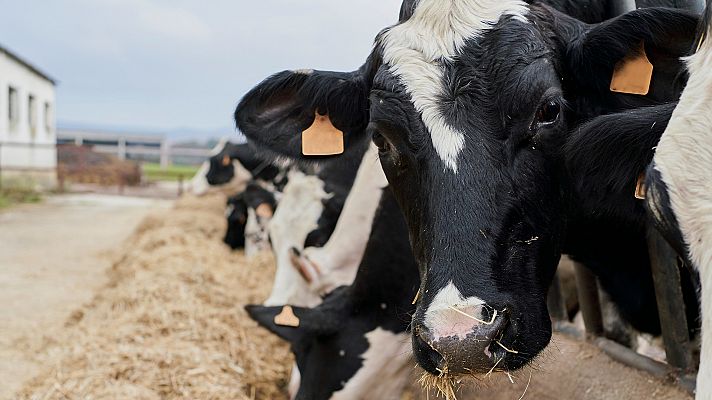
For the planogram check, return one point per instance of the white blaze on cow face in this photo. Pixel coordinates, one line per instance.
(341, 255)
(199, 184)
(386, 368)
(684, 160)
(415, 49)
(256, 233)
(242, 177)
(450, 314)
(298, 214)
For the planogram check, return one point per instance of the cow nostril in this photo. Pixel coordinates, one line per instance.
(428, 357)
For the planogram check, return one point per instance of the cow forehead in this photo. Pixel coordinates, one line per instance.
(415, 50)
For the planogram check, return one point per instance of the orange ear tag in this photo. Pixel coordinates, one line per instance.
(287, 318)
(322, 138)
(226, 161)
(264, 210)
(640, 188)
(633, 74)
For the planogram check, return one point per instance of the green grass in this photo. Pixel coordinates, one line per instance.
(18, 195)
(153, 172)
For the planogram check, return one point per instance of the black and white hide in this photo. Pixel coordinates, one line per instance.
(470, 103)
(355, 344)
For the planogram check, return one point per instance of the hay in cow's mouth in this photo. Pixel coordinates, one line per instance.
(446, 385)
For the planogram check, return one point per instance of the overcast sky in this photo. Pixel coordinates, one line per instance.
(172, 64)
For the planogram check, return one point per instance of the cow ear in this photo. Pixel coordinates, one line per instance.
(265, 316)
(592, 51)
(606, 156)
(274, 114)
(293, 323)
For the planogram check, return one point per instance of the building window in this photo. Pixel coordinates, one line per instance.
(13, 111)
(48, 117)
(32, 114)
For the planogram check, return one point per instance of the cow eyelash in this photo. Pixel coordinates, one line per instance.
(548, 114)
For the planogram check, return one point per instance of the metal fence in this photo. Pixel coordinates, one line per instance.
(133, 146)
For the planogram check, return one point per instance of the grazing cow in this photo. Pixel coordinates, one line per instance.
(335, 264)
(261, 205)
(354, 345)
(248, 216)
(233, 166)
(236, 214)
(308, 212)
(469, 103)
(679, 184)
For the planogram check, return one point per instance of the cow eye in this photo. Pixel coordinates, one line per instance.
(380, 142)
(548, 113)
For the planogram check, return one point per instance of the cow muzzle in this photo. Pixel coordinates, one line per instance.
(461, 339)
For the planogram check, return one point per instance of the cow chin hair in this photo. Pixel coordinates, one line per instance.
(447, 384)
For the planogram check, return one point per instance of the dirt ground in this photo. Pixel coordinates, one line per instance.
(573, 370)
(53, 257)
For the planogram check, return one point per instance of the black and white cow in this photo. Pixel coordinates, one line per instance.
(680, 185)
(469, 102)
(336, 262)
(355, 344)
(232, 166)
(236, 214)
(307, 215)
(248, 216)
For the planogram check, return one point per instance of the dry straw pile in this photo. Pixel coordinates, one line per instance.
(170, 323)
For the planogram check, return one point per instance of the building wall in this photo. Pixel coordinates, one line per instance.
(26, 146)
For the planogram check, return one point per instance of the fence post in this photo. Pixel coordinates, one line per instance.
(671, 306)
(122, 149)
(180, 185)
(1, 166)
(589, 300)
(165, 157)
(556, 302)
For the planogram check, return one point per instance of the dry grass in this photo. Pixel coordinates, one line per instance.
(170, 324)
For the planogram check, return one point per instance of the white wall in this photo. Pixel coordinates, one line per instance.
(42, 155)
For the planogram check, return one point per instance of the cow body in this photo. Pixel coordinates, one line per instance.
(248, 214)
(469, 103)
(307, 215)
(354, 345)
(236, 214)
(231, 166)
(335, 264)
(680, 185)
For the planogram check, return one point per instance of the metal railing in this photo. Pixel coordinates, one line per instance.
(132, 146)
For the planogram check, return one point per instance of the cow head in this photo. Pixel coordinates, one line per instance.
(340, 351)
(236, 214)
(225, 164)
(469, 102)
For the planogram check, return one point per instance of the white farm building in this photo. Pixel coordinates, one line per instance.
(28, 141)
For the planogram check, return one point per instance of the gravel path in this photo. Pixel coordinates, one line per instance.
(53, 257)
